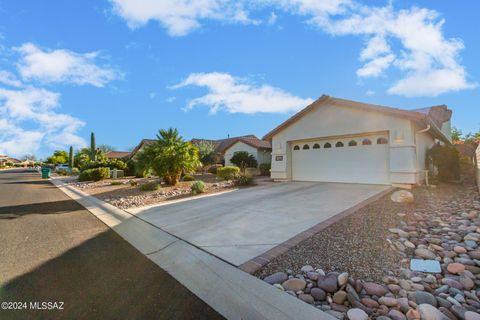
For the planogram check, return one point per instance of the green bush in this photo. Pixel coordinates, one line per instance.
(116, 183)
(95, 174)
(243, 180)
(447, 160)
(62, 172)
(188, 178)
(243, 159)
(75, 171)
(112, 164)
(228, 172)
(265, 169)
(198, 187)
(150, 186)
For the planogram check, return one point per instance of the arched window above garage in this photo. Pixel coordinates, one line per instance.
(352, 143)
(327, 145)
(367, 142)
(382, 141)
(316, 146)
(339, 144)
(306, 147)
(296, 148)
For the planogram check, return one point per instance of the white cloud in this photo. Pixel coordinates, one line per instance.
(410, 40)
(180, 17)
(429, 61)
(370, 93)
(63, 66)
(34, 108)
(235, 95)
(9, 79)
(272, 19)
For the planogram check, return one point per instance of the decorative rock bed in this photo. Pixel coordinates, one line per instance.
(444, 229)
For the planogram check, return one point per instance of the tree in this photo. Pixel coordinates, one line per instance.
(169, 156)
(70, 158)
(243, 159)
(29, 157)
(58, 157)
(106, 148)
(81, 158)
(206, 152)
(457, 134)
(93, 148)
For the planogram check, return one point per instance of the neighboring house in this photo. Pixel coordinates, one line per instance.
(143, 143)
(260, 149)
(117, 154)
(5, 159)
(225, 148)
(338, 140)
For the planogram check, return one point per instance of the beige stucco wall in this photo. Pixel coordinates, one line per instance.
(335, 120)
(239, 146)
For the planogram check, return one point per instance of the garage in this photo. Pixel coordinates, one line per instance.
(357, 159)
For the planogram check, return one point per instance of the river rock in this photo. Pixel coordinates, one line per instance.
(306, 298)
(423, 297)
(455, 268)
(374, 289)
(402, 196)
(429, 312)
(328, 284)
(278, 277)
(294, 284)
(339, 297)
(396, 315)
(318, 294)
(357, 314)
(470, 315)
(387, 301)
(425, 253)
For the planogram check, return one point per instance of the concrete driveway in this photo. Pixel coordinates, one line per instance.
(240, 225)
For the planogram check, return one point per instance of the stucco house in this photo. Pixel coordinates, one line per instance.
(338, 140)
(118, 154)
(260, 149)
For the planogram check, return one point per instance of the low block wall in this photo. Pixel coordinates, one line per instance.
(477, 166)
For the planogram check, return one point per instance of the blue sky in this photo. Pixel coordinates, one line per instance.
(126, 68)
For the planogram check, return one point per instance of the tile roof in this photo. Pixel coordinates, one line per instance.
(117, 154)
(223, 144)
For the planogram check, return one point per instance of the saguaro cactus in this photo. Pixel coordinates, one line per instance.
(70, 158)
(93, 147)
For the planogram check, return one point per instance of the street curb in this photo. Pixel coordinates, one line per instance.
(230, 291)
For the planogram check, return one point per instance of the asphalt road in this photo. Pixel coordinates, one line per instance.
(53, 250)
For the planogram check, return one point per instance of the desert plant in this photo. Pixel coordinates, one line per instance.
(197, 187)
(70, 157)
(62, 172)
(133, 183)
(243, 159)
(243, 180)
(150, 186)
(169, 156)
(75, 171)
(446, 159)
(188, 178)
(93, 148)
(58, 157)
(265, 169)
(213, 169)
(228, 172)
(206, 152)
(95, 174)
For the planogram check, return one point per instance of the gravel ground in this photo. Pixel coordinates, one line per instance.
(125, 196)
(358, 244)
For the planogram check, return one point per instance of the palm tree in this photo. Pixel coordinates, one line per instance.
(169, 156)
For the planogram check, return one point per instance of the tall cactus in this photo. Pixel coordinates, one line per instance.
(70, 158)
(93, 148)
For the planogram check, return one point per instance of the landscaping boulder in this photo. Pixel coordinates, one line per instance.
(402, 196)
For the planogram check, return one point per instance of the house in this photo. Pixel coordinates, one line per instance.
(117, 154)
(338, 140)
(225, 148)
(260, 149)
(6, 159)
(143, 143)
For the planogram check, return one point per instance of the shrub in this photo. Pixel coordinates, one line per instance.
(188, 178)
(133, 183)
(116, 183)
(62, 172)
(228, 172)
(265, 169)
(198, 187)
(75, 171)
(447, 160)
(95, 174)
(150, 186)
(243, 180)
(112, 164)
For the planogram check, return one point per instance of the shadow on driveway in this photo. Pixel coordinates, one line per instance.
(103, 278)
(54, 207)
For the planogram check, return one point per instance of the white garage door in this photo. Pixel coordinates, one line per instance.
(351, 160)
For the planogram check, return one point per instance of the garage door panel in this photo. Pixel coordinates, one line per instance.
(357, 164)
